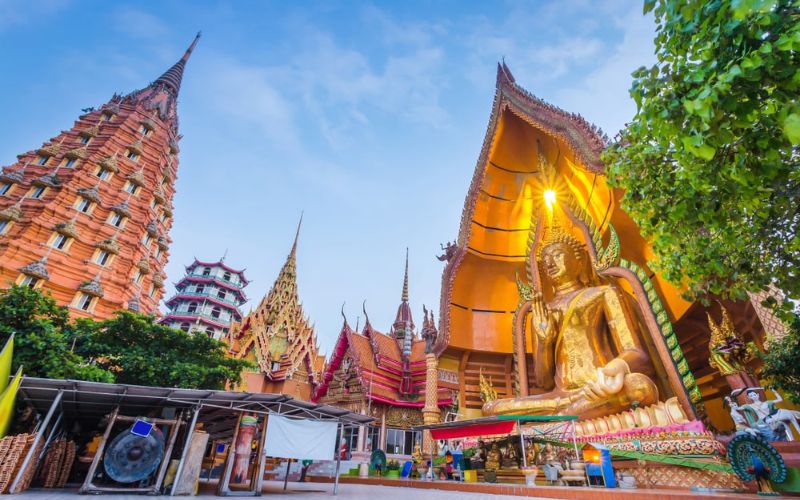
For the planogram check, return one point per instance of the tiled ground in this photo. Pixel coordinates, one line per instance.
(297, 491)
(424, 491)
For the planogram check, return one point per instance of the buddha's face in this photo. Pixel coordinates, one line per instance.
(560, 263)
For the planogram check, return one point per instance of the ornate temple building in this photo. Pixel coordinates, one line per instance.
(386, 375)
(548, 288)
(207, 299)
(87, 215)
(278, 338)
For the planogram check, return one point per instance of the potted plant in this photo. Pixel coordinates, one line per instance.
(393, 469)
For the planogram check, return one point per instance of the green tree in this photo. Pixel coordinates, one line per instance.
(709, 164)
(781, 368)
(140, 351)
(41, 346)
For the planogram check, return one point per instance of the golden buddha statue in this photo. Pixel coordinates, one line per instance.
(416, 456)
(590, 359)
(531, 454)
(511, 459)
(493, 457)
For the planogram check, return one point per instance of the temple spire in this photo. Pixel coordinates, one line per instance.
(171, 79)
(296, 236)
(404, 298)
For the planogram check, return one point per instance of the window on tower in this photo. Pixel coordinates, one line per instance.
(4, 225)
(42, 160)
(215, 312)
(107, 116)
(5, 187)
(29, 281)
(200, 288)
(158, 252)
(192, 307)
(153, 203)
(151, 292)
(206, 271)
(164, 218)
(85, 302)
(227, 276)
(222, 293)
(102, 258)
(68, 162)
(131, 188)
(132, 155)
(37, 192)
(137, 278)
(146, 239)
(102, 173)
(60, 241)
(185, 327)
(85, 139)
(116, 219)
(84, 205)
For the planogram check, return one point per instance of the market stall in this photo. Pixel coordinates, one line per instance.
(538, 428)
(126, 438)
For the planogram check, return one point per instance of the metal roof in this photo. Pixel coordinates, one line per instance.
(92, 400)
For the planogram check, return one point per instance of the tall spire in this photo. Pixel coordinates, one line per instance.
(296, 236)
(404, 298)
(171, 78)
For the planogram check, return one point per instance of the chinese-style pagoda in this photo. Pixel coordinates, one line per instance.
(390, 376)
(207, 299)
(87, 215)
(279, 339)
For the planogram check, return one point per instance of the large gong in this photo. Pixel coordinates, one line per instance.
(132, 457)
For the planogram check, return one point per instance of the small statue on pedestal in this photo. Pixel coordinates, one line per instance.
(493, 458)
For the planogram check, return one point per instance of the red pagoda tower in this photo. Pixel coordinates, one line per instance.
(86, 216)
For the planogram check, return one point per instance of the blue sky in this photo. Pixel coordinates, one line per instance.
(367, 116)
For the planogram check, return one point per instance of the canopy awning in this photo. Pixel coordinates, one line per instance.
(488, 426)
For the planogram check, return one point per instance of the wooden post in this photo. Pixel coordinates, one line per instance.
(87, 483)
(186, 445)
(262, 459)
(338, 459)
(173, 435)
(224, 482)
(29, 456)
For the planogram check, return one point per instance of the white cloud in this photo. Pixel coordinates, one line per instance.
(140, 24)
(14, 12)
(247, 94)
(602, 94)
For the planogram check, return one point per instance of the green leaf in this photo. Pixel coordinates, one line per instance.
(791, 128)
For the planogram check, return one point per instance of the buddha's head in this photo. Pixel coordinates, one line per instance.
(753, 397)
(562, 257)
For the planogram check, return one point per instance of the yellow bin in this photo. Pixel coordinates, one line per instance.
(470, 476)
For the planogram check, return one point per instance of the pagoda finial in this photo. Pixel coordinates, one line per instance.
(404, 298)
(297, 235)
(171, 79)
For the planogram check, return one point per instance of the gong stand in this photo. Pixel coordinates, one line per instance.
(155, 488)
(257, 475)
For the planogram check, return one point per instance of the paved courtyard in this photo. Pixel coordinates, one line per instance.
(274, 489)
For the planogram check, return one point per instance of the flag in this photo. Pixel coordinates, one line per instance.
(5, 362)
(7, 398)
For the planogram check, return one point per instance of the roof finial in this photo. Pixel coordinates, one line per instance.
(366, 316)
(224, 255)
(191, 47)
(343, 315)
(297, 235)
(171, 79)
(404, 298)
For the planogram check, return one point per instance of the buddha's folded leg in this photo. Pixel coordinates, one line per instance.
(637, 388)
(540, 404)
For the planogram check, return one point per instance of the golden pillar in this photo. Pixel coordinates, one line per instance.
(430, 413)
